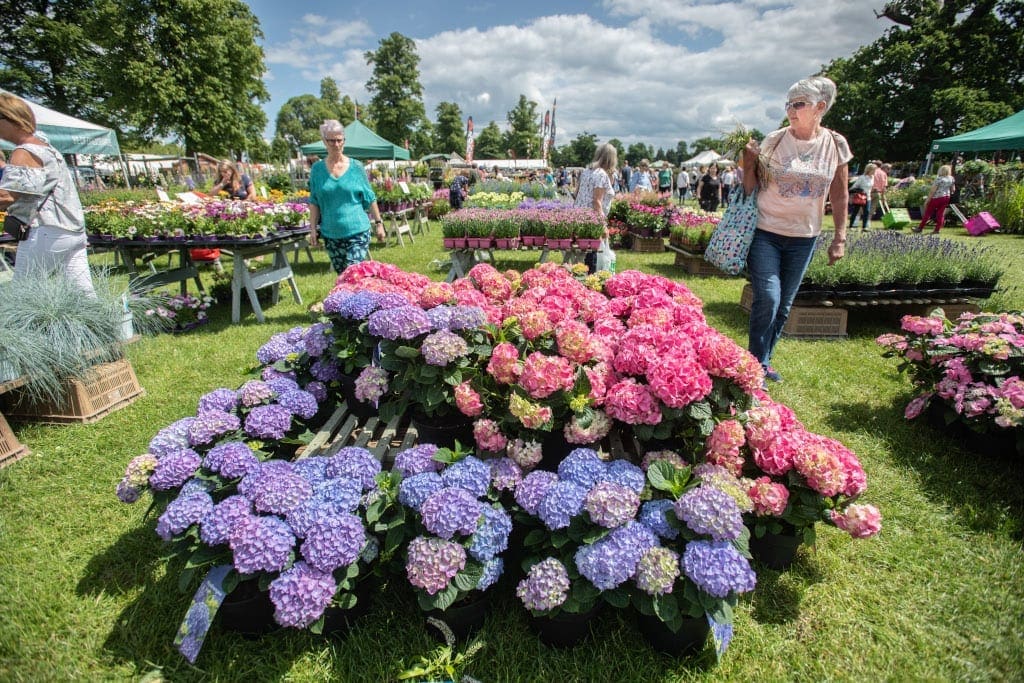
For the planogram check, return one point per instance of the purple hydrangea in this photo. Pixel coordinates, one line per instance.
(466, 318)
(333, 540)
(355, 463)
(295, 335)
(392, 300)
(280, 385)
(313, 470)
(653, 516)
(280, 492)
(657, 571)
(450, 510)
(237, 463)
(197, 486)
(433, 562)
(318, 390)
(491, 537)
(440, 317)
(171, 438)
(218, 524)
(610, 504)
(545, 587)
(301, 594)
(253, 481)
(127, 493)
(268, 422)
(627, 474)
(506, 474)
(564, 500)
(325, 370)
(261, 544)
(470, 473)
(417, 488)
(174, 469)
(318, 339)
(534, 487)
(356, 306)
(442, 348)
(215, 456)
(269, 373)
(716, 476)
(417, 460)
(183, 512)
(582, 467)
(708, 510)
(402, 322)
(493, 569)
(254, 392)
(277, 348)
(342, 491)
(612, 560)
(223, 399)
(211, 425)
(299, 402)
(371, 384)
(717, 568)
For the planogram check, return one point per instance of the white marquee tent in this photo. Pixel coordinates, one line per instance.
(706, 157)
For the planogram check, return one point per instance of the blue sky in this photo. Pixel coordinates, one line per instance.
(656, 71)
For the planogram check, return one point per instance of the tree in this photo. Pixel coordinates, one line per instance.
(489, 143)
(397, 104)
(704, 144)
(580, 151)
(280, 150)
(945, 68)
(523, 136)
(421, 141)
(450, 131)
(619, 149)
(300, 118)
(342, 109)
(636, 152)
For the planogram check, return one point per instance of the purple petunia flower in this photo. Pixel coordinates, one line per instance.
(610, 504)
(433, 562)
(300, 403)
(417, 460)
(491, 537)
(470, 473)
(582, 467)
(268, 422)
(171, 438)
(254, 392)
(534, 487)
(402, 322)
(442, 348)
(417, 488)
(717, 568)
(223, 399)
(451, 510)
(493, 569)
(355, 463)
(183, 512)
(506, 474)
(173, 469)
(333, 540)
(708, 510)
(280, 492)
(210, 425)
(563, 501)
(261, 544)
(653, 516)
(625, 473)
(216, 527)
(301, 594)
(545, 587)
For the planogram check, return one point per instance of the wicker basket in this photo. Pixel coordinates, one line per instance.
(11, 450)
(106, 388)
(648, 244)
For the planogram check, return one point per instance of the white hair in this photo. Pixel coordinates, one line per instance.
(816, 89)
(331, 126)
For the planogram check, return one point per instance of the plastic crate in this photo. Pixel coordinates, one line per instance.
(104, 389)
(809, 322)
(896, 219)
(981, 223)
(648, 244)
(11, 450)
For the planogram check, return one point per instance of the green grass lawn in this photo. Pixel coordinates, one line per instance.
(938, 595)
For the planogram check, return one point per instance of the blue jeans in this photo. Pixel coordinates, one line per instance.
(776, 265)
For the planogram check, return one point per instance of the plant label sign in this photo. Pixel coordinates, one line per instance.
(205, 604)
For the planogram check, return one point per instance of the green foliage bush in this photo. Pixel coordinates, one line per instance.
(278, 181)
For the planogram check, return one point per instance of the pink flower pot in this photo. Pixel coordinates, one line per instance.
(587, 243)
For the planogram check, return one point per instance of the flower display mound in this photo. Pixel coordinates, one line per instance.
(645, 214)
(973, 367)
(548, 219)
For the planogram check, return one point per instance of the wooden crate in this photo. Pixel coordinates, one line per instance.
(11, 450)
(648, 244)
(696, 265)
(807, 322)
(105, 388)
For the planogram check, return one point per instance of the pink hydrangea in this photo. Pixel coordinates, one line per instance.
(467, 400)
(769, 498)
(543, 375)
(723, 446)
(488, 436)
(531, 415)
(599, 376)
(820, 465)
(526, 454)
(435, 294)
(1012, 389)
(917, 405)
(575, 432)
(916, 324)
(678, 379)
(763, 426)
(632, 403)
(860, 521)
(776, 456)
(504, 363)
(535, 324)
(574, 341)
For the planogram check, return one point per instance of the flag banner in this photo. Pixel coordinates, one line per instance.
(469, 140)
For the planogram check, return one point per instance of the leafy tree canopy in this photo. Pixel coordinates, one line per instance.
(489, 143)
(397, 103)
(449, 133)
(523, 136)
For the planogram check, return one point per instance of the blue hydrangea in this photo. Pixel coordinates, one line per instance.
(563, 501)
(605, 564)
(333, 540)
(345, 492)
(211, 425)
(625, 473)
(717, 568)
(254, 392)
(197, 486)
(493, 569)
(350, 306)
(533, 489)
(466, 318)
(277, 348)
(268, 422)
(223, 399)
(300, 403)
(470, 473)
(301, 594)
(237, 463)
(173, 437)
(260, 543)
(325, 370)
(440, 317)
(318, 339)
(355, 463)
(417, 460)
(183, 512)
(711, 511)
(402, 322)
(281, 492)
(313, 470)
(582, 467)
(491, 536)
(506, 474)
(215, 456)
(253, 480)
(216, 527)
(449, 511)
(280, 385)
(417, 488)
(653, 516)
(174, 469)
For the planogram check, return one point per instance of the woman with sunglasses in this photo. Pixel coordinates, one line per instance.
(339, 198)
(804, 164)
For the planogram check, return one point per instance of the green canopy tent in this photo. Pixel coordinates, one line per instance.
(1007, 134)
(361, 143)
(73, 136)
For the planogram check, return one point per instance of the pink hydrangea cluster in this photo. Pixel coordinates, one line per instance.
(819, 465)
(371, 384)
(488, 436)
(504, 364)
(435, 294)
(860, 521)
(531, 415)
(600, 425)
(574, 341)
(917, 324)
(433, 562)
(543, 375)
(527, 454)
(723, 446)
(678, 379)
(769, 498)
(467, 400)
(633, 403)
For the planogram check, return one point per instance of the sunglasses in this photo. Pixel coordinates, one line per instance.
(798, 105)
(335, 140)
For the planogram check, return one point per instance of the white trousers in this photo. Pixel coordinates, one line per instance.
(55, 250)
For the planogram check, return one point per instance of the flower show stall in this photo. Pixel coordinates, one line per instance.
(536, 372)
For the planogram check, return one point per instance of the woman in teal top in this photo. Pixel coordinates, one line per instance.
(339, 197)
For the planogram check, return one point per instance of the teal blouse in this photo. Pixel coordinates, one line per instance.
(343, 201)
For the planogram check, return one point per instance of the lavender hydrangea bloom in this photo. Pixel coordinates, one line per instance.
(717, 568)
(716, 476)
(563, 501)
(280, 385)
(254, 392)
(442, 348)
(625, 473)
(318, 339)
(466, 318)
(313, 470)
(657, 571)
(707, 510)
(450, 510)
(440, 317)
(210, 425)
(268, 373)
(171, 438)
(173, 469)
(197, 486)
(417, 460)
(347, 493)
(215, 456)
(279, 493)
(491, 536)
(356, 306)
(268, 422)
(534, 487)
(355, 463)
(470, 473)
(127, 493)
(610, 504)
(653, 516)
(253, 481)
(417, 488)
(301, 594)
(299, 402)
(402, 322)
(506, 474)
(183, 512)
(223, 399)
(612, 560)
(237, 463)
(261, 544)
(216, 527)
(295, 335)
(582, 467)
(277, 348)
(433, 562)
(325, 370)
(545, 587)
(392, 300)
(371, 384)
(318, 390)
(333, 540)
(493, 569)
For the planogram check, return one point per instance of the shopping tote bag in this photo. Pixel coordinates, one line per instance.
(730, 242)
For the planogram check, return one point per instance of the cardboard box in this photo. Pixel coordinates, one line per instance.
(104, 389)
